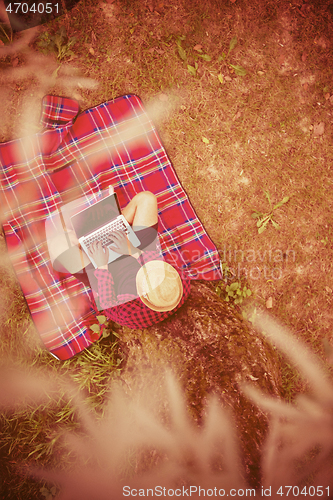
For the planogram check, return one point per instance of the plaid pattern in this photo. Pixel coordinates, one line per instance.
(128, 309)
(58, 111)
(132, 312)
(106, 286)
(79, 158)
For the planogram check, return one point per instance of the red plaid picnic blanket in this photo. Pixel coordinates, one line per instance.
(79, 155)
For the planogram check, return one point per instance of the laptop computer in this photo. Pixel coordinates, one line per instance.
(96, 222)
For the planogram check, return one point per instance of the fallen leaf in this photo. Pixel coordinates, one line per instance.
(269, 303)
(318, 129)
(197, 48)
(92, 52)
(327, 96)
(95, 328)
(239, 70)
(304, 56)
(282, 58)
(78, 97)
(205, 140)
(181, 51)
(205, 57)
(300, 12)
(192, 70)
(237, 115)
(220, 77)
(304, 124)
(322, 42)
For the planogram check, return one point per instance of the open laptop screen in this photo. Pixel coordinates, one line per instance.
(96, 216)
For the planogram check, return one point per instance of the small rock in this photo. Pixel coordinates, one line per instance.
(163, 97)
(322, 42)
(304, 124)
(269, 303)
(78, 97)
(318, 129)
(237, 115)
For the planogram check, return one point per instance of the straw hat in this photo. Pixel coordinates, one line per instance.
(159, 286)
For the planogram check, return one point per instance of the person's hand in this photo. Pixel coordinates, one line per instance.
(121, 244)
(99, 253)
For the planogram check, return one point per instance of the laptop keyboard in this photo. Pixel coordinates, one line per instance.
(103, 235)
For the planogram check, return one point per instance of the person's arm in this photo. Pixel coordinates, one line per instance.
(137, 254)
(106, 289)
(123, 246)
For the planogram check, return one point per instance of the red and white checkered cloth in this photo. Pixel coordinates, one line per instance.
(128, 309)
(89, 152)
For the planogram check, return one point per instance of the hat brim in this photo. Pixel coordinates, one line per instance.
(144, 296)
